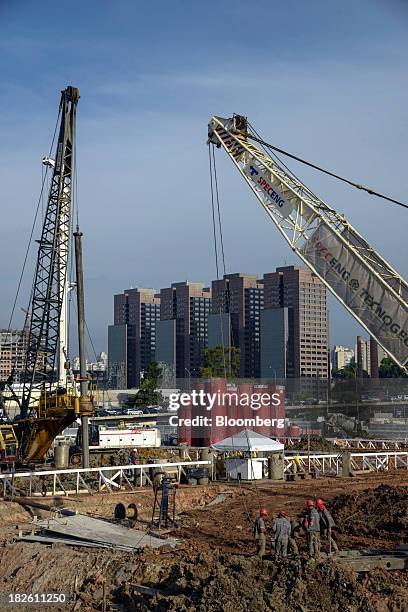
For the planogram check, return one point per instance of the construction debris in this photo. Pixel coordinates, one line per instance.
(217, 500)
(82, 530)
(367, 560)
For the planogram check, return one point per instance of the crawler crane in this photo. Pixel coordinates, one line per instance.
(357, 275)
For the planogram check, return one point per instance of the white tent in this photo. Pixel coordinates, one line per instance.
(249, 441)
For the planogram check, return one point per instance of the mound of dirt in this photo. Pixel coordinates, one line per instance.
(189, 580)
(12, 513)
(379, 512)
(219, 581)
(316, 443)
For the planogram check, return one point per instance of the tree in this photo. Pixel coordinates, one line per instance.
(220, 362)
(153, 373)
(148, 394)
(389, 369)
(348, 372)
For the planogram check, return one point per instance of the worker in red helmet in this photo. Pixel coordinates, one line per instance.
(281, 528)
(312, 527)
(320, 503)
(260, 533)
(326, 525)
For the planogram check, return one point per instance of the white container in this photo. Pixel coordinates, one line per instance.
(244, 469)
(129, 438)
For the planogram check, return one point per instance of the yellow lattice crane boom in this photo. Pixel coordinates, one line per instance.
(357, 275)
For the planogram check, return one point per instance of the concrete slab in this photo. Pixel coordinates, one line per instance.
(82, 527)
(367, 560)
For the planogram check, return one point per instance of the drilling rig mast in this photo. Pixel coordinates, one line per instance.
(48, 405)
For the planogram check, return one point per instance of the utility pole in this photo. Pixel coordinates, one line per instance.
(81, 342)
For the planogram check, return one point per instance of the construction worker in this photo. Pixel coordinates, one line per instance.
(295, 526)
(281, 528)
(298, 463)
(326, 524)
(312, 527)
(133, 459)
(314, 472)
(260, 532)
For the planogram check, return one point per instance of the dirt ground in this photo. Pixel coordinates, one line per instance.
(315, 443)
(214, 568)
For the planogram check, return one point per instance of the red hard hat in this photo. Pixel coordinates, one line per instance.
(263, 512)
(320, 503)
(281, 513)
(310, 503)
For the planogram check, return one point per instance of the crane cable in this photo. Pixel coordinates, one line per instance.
(325, 171)
(218, 211)
(228, 296)
(74, 213)
(214, 183)
(213, 214)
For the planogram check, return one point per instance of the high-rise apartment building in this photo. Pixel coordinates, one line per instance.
(341, 356)
(132, 337)
(235, 318)
(363, 356)
(294, 325)
(13, 344)
(182, 333)
(368, 357)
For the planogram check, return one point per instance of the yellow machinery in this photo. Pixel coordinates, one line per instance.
(8, 444)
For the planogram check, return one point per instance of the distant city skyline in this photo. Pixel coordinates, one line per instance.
(279, 324)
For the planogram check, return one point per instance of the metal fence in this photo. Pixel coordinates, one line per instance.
(331, 464)
(130, 477)
(355, 443)
(90, 480)
(378, 462)
(327, 464)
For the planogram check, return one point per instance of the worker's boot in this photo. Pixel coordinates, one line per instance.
(334, 547)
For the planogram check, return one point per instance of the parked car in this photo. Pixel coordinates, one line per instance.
(113, 411)
(132, 411)
(153, 409)
(103, 412)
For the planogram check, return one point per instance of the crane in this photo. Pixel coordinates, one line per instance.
(355, 273)
(48, 403)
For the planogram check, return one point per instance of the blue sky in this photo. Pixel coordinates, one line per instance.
(324, 79)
